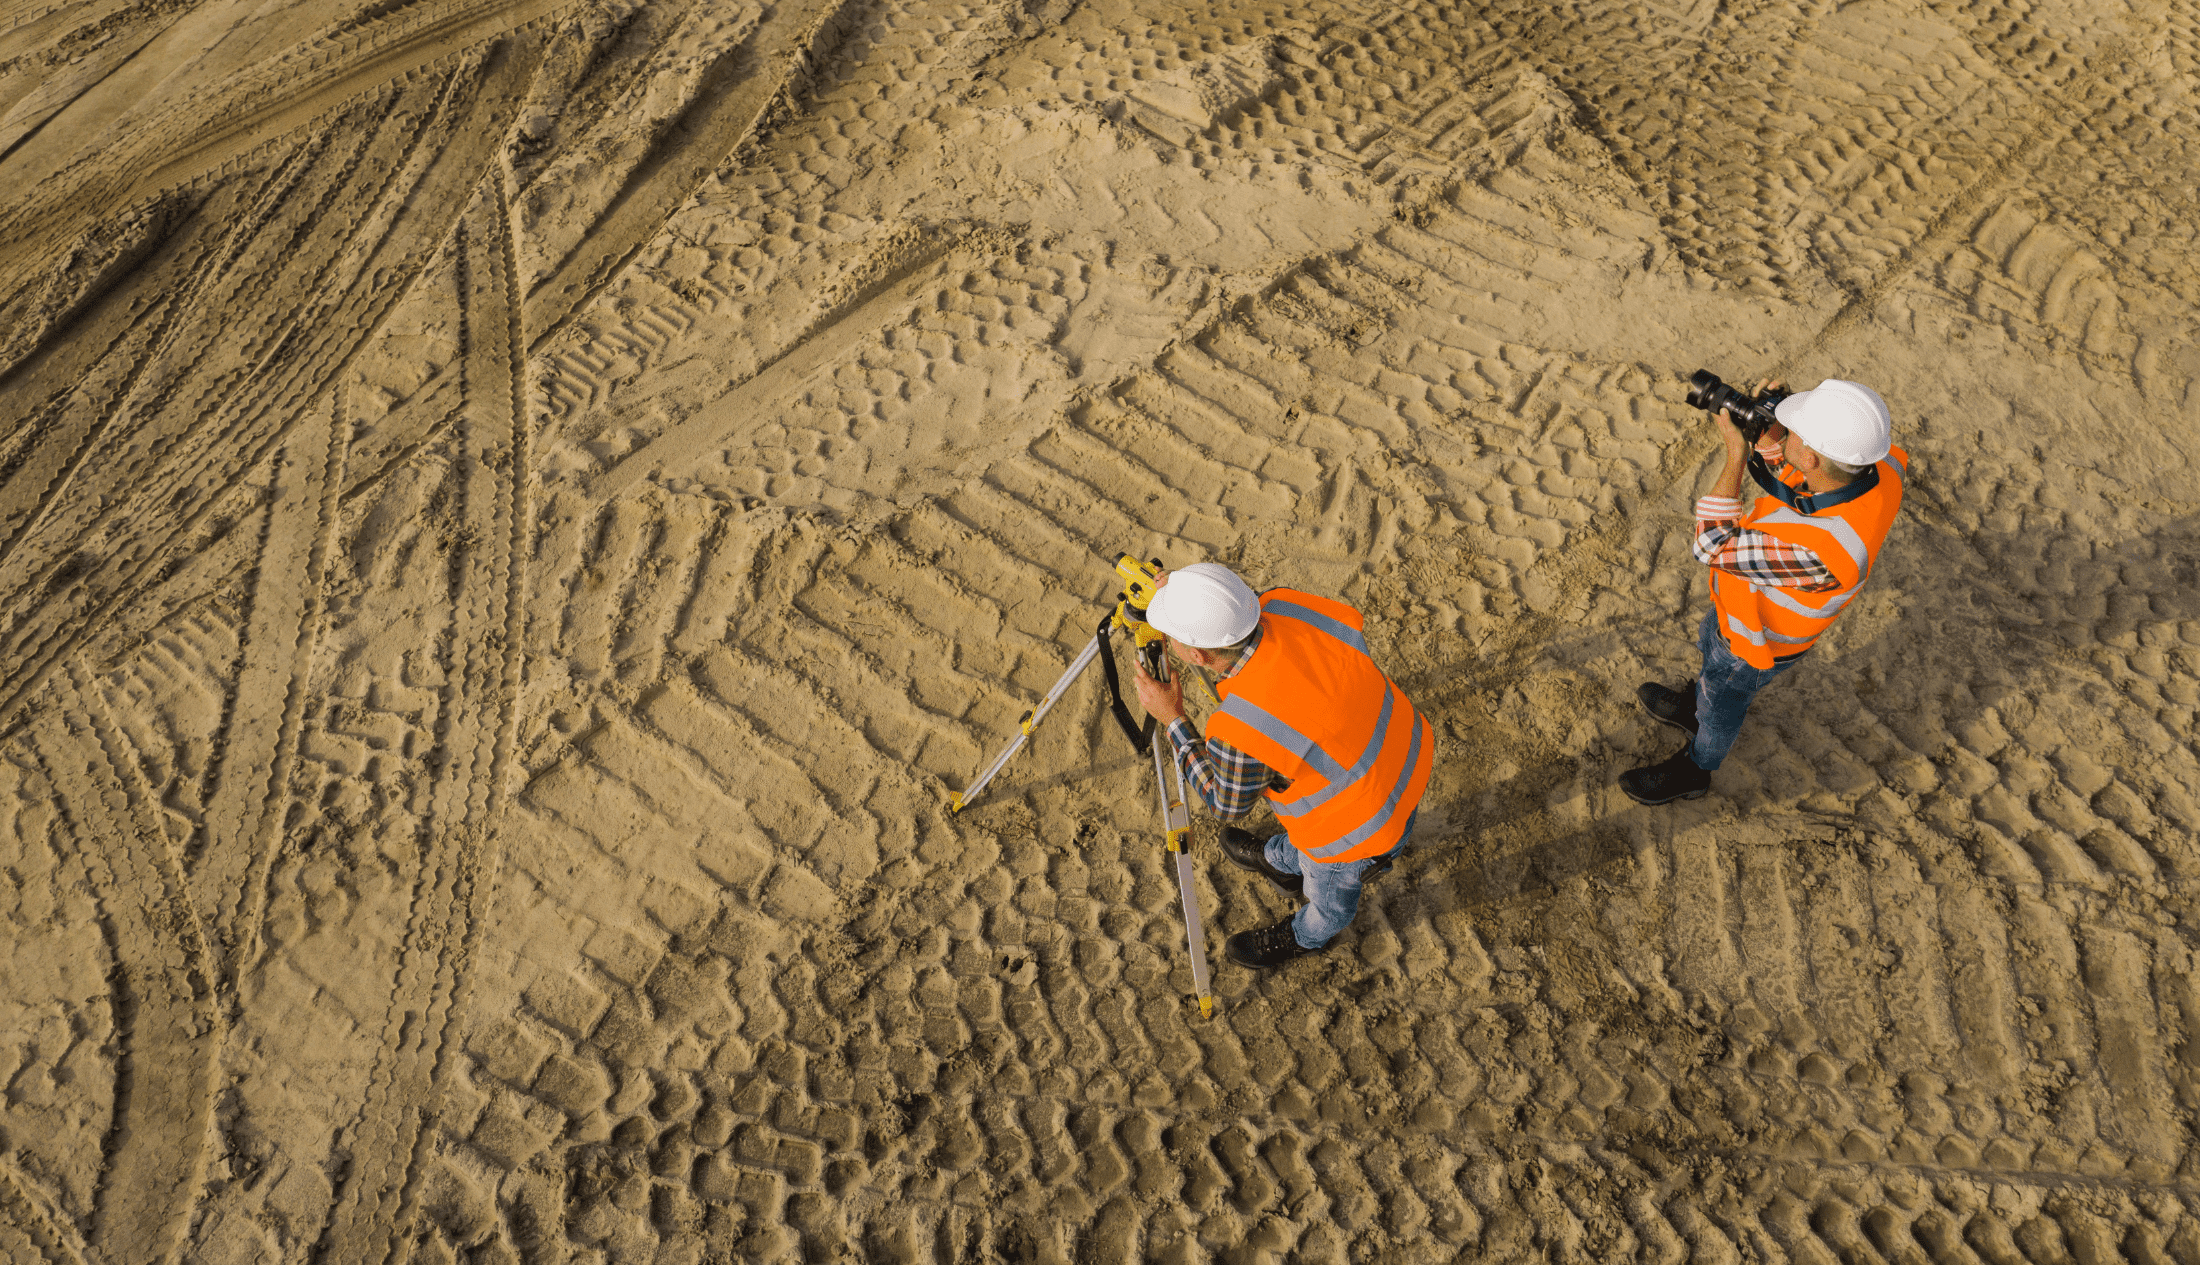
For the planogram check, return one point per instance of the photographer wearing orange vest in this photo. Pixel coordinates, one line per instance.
(1780, 573)
(1307, 722)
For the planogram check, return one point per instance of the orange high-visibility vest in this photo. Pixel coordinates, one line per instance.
(1311, 705)
(1764, 622)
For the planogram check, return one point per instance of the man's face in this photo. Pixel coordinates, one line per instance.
(1187, 654)
(1791, 448)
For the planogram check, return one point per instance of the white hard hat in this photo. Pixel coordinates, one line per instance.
(1205, 605)
(1846, 421)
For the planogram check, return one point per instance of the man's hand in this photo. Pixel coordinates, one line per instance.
(1729, 483)
(1732, 434)
(1164, 701)
(1729, 432)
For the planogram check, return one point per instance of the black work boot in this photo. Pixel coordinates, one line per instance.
(1249, 851)
(1667, 780)
(1673, 707)
(1266, 948)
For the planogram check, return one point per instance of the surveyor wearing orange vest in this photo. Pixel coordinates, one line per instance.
(1308, 722)
(1781, 572)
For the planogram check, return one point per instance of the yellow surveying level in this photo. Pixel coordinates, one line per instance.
(1140, 581)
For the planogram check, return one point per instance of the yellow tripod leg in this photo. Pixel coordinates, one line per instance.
(959, 799)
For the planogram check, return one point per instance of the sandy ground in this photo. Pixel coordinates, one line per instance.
(517, 513)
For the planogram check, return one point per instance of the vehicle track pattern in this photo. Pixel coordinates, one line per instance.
(458, 812)
(201, 133)
(229, 430)
(31, 1232)
(243, 817)
(634, 510)
(169, 1026)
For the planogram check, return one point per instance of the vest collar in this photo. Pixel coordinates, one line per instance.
(1251, 644)
(1811, 502)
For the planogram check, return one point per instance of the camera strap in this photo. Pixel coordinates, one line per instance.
(1809, 502)
(1141, 740)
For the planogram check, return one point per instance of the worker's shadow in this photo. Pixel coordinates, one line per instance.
(1477, 876)
(1985, 618)
(1981, 619)
(1498, 844)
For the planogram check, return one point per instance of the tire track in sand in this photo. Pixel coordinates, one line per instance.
(63, 415)
(197, 134)
(374, 239)
(26, 116)
(395, 1132)
(166, 1013)
(28, 1222)
(245, 816)
(730, 101)
(733, 99)
(808, 357)
(2062, 112)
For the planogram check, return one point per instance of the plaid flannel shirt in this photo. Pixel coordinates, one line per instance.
(1722, 542)
(1227, 780)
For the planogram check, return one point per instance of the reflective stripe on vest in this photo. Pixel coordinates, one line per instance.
(1337, 628)
(1831, 524)
(1787, 601)
(1310, 751)
(1311, 678)
(1390, 806)
(1758, 618)
(1759, 636)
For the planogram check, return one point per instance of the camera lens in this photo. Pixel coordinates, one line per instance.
(1704, 390)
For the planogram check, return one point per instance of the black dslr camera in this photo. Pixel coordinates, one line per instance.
(1752, 414)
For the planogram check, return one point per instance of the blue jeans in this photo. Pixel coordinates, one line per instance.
(1332, 887)
(1723, 692)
